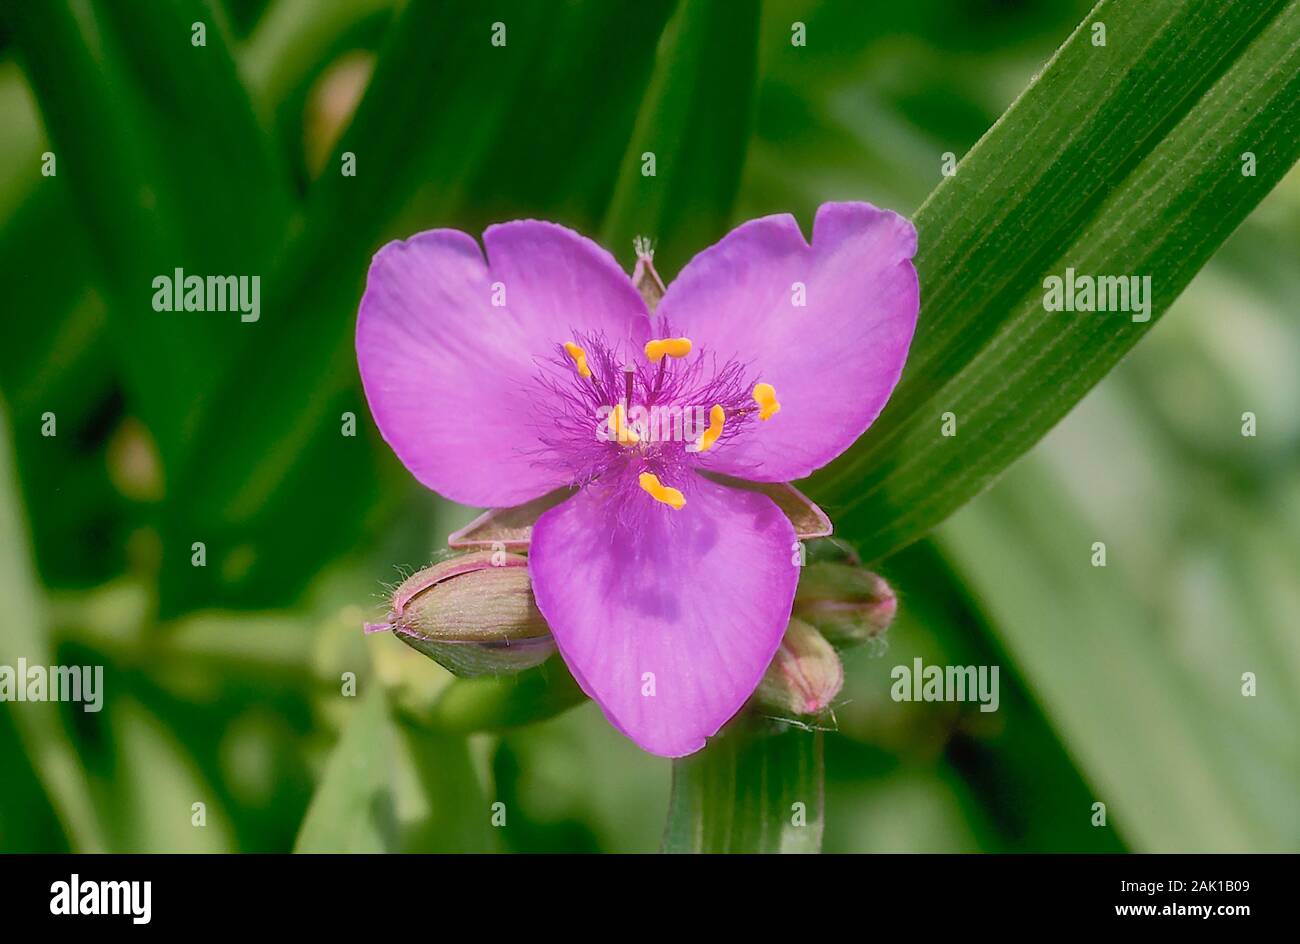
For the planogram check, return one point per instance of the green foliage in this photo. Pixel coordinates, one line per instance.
(354, 809)
(159, 183)
(749, 791)
(1118, 159)
(39, 728)
(682, 167)
(1098, 668)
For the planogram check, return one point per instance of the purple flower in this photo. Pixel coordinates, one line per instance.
(541, 368)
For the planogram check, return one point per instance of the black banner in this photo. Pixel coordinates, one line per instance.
(336, 893)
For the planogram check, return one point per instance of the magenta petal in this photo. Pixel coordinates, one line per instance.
(451, 378)
(692, 602)
(833, 361)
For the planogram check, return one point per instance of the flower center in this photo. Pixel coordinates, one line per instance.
(649, 418)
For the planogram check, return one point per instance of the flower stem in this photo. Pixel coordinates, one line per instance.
(751, 789)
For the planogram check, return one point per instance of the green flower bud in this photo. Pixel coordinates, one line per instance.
(846, 602)
(473, 614)
(805, 675)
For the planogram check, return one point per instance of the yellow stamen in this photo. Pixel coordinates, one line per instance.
(673, 347)
(625, 434)
(765, 397)
(579, 358)
(662, 493)
(717, 419)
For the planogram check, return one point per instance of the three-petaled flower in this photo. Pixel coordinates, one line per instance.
(501, 379)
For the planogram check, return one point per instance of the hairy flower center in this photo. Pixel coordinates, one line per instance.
(647, 414)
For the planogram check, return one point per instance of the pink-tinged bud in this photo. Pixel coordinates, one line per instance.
(644, 276)
(846, 602)
(805, 675)
(473, 614)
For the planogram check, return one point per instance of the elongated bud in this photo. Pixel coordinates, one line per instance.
(805, 675)
(644, 276)
(473, 614)
(846, 602)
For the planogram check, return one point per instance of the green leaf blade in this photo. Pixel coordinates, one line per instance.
(986, 351)
(26, 635)
(695, 122)
(1175, 771)
(354, 809)
(161, 148)
(749, 791)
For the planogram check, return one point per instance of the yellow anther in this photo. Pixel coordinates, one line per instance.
(662, 493)
(765, 397)
(673, 347)
(579, 358)
(625, 434)
(717, 419)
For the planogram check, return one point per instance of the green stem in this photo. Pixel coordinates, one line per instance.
(45, 739)
(750, 790)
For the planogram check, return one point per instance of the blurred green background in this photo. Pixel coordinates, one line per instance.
(1120, 685)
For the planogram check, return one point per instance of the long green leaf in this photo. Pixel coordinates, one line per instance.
(749, 791)
(53, 359)
(449, 810)
(1013, 761)
(436, 104)
(572, 163)
(159, 143)
(1183, 764)
(25, 634)
(694, 125)
(354, 808)
(156, 788)
(1120, 159)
